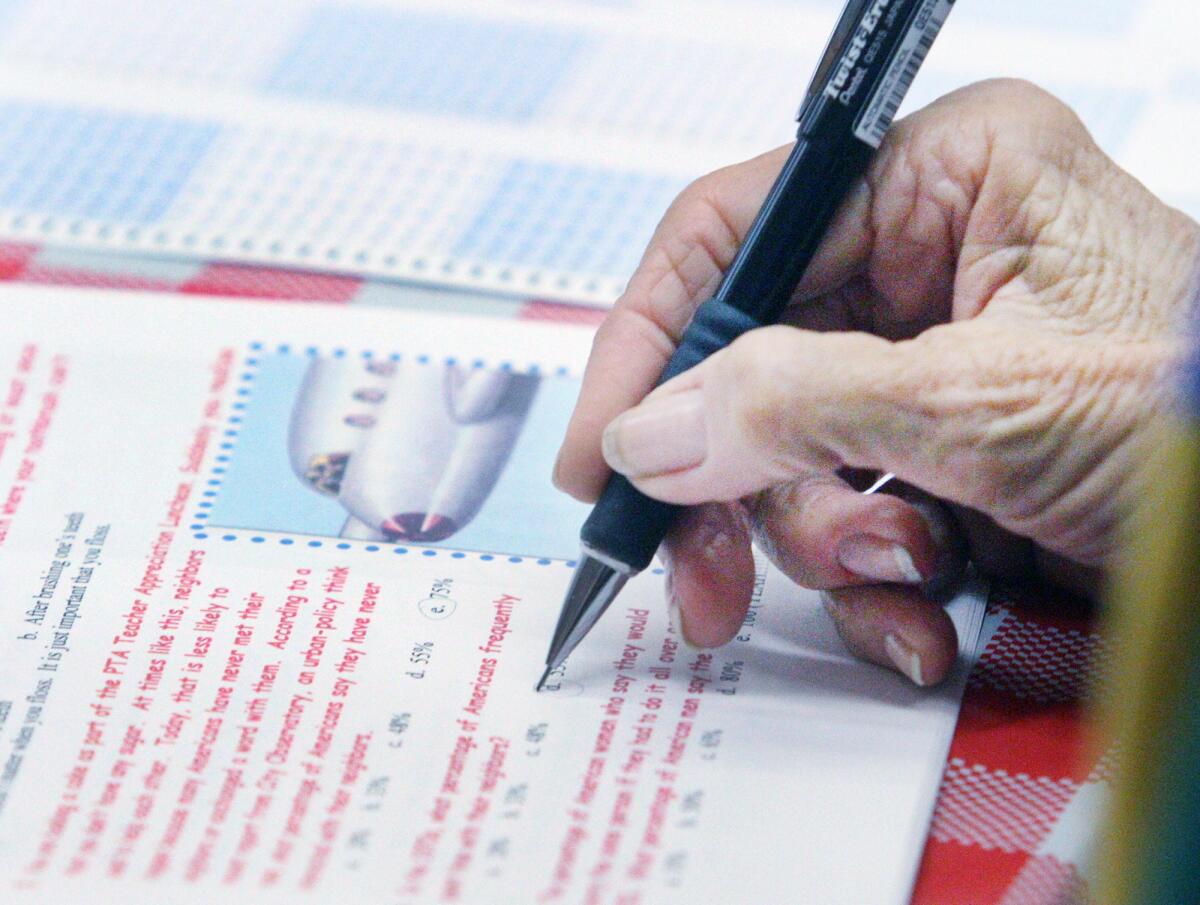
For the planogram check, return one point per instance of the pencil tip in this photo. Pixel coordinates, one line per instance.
(593, 587)
(542, 681)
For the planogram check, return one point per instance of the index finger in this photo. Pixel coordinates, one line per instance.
(682, 266)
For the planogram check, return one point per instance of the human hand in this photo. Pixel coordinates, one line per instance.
(990, 317)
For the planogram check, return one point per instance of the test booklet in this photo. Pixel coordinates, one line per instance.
(518, 146)
(278, 583)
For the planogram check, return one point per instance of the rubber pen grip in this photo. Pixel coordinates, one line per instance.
(625, 524)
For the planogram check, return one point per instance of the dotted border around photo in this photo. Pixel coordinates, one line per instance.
(228, 443)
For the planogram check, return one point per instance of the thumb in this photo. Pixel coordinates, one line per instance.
(781, 402)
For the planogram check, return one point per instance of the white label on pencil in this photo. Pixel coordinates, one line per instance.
(889, 93)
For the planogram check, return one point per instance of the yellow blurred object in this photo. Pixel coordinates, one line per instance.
(1152, 700)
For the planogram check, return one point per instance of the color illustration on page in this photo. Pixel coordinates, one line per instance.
(399, 450)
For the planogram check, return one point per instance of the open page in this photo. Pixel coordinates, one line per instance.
(278, 585)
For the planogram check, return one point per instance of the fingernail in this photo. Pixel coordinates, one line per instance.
(877, 559)
(907, 660)
(660, 435)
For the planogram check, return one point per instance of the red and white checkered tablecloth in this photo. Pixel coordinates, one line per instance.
(1022, 791)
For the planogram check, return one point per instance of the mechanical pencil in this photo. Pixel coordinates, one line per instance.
(868, 65)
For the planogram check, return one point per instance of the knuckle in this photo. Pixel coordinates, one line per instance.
(695, 212)
(1020, 99)
(699, 190)
(627, 327)
(693, 245)
(703, 225)
(609, 330)
(1005, 113)
(1017, 92)
(761, 366)
(792, 504)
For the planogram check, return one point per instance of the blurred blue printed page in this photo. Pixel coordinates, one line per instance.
(523, 147)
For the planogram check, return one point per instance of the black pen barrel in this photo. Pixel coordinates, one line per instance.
(791, 224)
(626, 525)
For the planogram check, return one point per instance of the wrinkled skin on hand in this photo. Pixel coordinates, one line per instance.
(993, 316)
